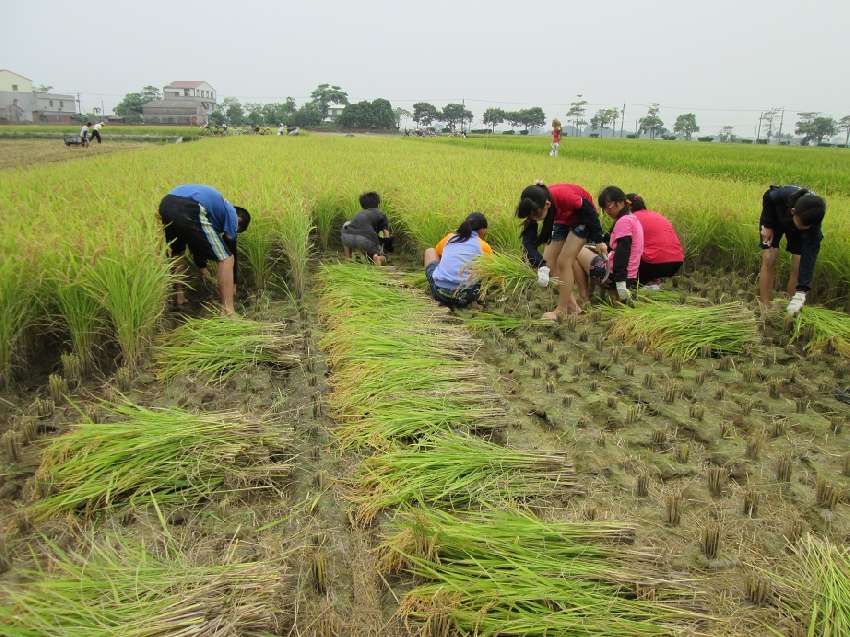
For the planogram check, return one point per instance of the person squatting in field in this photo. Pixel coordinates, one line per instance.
(451, 283)
(366, 230)
(662, 251)
(796, 213)
(621, 267)
(200, 218)
(556, 137)
(569, 221)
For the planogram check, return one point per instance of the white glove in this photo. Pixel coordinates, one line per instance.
(796, 303)
(623, 292)
(543, 276)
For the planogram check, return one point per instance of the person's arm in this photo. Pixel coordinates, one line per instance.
(530, 241)
(768, 221)
(621, 259)
(442, 244)
(381, 222)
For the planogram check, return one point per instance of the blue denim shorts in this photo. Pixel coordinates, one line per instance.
(460, 297)
(561, 230)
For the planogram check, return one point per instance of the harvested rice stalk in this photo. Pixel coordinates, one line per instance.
(815, 586)
(456, 471)
(826, 328)
(484, 321)
(174, 455)
(511, 574)
(685, 331)
(218, 347)
(502, 272)
(400, 370)
(117, 587)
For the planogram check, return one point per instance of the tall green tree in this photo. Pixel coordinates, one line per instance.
(233, 111)
(686, 124)
(454, 114)
(424, 113)
(651, 123)
(604, 118)
(493, 117)
(844, 125)
(130, 107)
(814, 127)
(308, 115)
(325, 94)
(279, 112)
(532, 118)
(575, 114)
(254, 115)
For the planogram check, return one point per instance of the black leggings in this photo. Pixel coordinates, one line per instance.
(95, 134)
(651, 271)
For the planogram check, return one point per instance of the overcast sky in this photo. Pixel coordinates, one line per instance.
(724, 59)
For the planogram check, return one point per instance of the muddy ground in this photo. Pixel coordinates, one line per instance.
(19, 153)
(641, 428)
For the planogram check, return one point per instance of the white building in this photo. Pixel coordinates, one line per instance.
(183, 102)
(21, 104)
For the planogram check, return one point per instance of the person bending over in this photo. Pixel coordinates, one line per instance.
(363, 232)
(662, 251)
(796, 213)
(200, 218)
(569, 211)
(446, 265)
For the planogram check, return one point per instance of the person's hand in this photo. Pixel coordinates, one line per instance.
(796, 304)
(766, 235)
(602, 250)
(623, 292)
(208, 276)
(543, 276)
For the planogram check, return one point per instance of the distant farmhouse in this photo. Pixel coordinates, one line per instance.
(334, 112)
(21, 104)
(185, 102)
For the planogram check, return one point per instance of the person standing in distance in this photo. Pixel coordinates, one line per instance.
(796, 213)
(200, 218)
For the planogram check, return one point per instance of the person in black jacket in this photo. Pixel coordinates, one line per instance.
(796, 213)
(364, 232)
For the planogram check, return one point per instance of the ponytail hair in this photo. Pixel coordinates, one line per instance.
(532, 199)
(556, 123)
(637, 201)
(474, 222)
(612, 194)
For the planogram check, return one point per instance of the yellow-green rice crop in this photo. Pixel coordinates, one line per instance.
(821, 328)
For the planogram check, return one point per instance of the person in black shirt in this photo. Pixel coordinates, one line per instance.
(365, 230)
(796, 213)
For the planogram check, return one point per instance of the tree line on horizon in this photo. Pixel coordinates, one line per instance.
(379, 114)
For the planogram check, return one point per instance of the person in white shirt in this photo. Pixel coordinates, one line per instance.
(95, 133)
(84, 133)
(280, 129)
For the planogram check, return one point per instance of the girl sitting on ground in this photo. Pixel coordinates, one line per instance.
(662, 251)
(446, 265)
(569, 211)
(365, 229)
(627, 245)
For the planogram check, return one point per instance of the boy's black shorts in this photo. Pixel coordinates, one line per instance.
(186, 225)
(793, 241)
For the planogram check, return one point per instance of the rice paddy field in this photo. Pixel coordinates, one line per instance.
(348, 458)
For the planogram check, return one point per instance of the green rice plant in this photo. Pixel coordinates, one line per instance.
(115, 586)
(488, 321)
(293, 227)
(330, 209)
(176, 456)
(258, 248)
(827, 328)
(504, 273)
(18, 294)
(455, 470)
(400, 370)
(219, 347)
(131, 282)
(497, 573)
(683, 330)
(814, 586)
(79, 309)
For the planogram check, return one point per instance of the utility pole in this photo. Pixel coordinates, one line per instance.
(781, 120)
(758, 130)
(79, 105)
(623, 120)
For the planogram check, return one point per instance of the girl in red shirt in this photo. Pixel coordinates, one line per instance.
(556, 137)
(662, 252)
(569, 221)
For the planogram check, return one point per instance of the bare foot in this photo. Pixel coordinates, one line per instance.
(554, 315)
